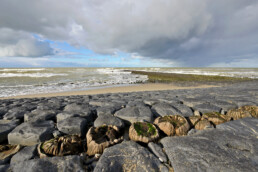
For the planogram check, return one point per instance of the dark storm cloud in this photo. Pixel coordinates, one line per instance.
(189, 32)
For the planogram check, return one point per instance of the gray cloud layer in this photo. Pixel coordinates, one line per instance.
(189, 32)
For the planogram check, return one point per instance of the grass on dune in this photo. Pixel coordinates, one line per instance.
(171, 77)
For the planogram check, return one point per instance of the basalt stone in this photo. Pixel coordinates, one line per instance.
(224, 105)
(53, 164)
(232, 146)
(65, 115)
(15, 113)
(134, 114)
(128, 156)
(31, 133)
(73, 125)
(191, 102)
(83, 110)
(109, 120)
(107, 110)
(40, 115)
(25, 154)
(207, 107)
(6, 126)
(185, 110)
(164, 109)
(4, 168)
(150, 102)
(157, 150)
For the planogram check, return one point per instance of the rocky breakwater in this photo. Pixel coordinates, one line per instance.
(208, 129)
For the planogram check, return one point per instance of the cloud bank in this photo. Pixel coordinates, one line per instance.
(189, 32)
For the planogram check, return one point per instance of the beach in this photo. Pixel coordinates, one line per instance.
(95, 128)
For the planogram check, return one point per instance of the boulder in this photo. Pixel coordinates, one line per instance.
(40, 115)
(203, 124)
(6, 126)
(134, 114)
(73, 126)
(239, 113)
(109, 120)
(164, 109)
(31, 133)
(128, 156)
(53, 164)
(143, 132)
(207, 107)
(157, 150)
(215, 118)
(172, 125)
(25, 154)
(99, 138)
(15, 113)
(232, 146)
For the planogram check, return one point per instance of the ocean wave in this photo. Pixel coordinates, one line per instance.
(32, 75)
(22, 70)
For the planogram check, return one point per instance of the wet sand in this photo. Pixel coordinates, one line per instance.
(116, 89)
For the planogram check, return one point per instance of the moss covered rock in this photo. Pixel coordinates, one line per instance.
(253, 110)
(143, 132)
(99, 138)
(7, 151)
(239, 113)
(203, 124)
(173, 125)
(193, 120)
(65, 145)
(216, 118)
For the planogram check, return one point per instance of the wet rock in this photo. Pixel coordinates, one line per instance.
(7, 151)
(99, 138)
(164, 109)
(73, 125)
(31, 133)
(128, 156)
(143, 132)
(207, 107)
(157, 150)
(134, 114)
(172, 125)
(25, 154)
(66, 163)
(109, 120)
(232, 146)
(6, 126)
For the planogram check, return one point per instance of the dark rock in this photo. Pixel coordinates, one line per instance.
(73, 125)
(109, 120)
(185, 110)
(107, 110)
(230, 147)
(40, 115)
(164, 109)
(157, 150)
(4, 168)
(6, 126)
(25, 154)
(31, 133)
(128, 156)
(53, 164)
(207, 107)
(15, 113)
(134, 114)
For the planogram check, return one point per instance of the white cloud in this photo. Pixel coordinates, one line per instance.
(189, 32)
(19, 43)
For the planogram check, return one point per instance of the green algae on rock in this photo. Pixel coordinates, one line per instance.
(239, 113)
(173, 125)
(203, 124)
(143, 132)
(64, 145)
(215, 117)
(99, 138)
(253, 110)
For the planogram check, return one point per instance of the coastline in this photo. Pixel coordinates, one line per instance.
(116, 89)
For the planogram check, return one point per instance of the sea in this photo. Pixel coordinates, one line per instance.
(26, 81)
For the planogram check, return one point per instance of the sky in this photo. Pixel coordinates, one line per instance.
(129, 33)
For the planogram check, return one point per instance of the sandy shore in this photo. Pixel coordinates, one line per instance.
(117, 89)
